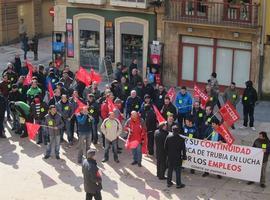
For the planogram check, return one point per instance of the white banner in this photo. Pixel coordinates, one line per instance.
(241, 162)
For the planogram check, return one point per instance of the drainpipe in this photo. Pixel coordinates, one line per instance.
(260, 78)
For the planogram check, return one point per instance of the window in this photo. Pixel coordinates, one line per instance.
(188, 63)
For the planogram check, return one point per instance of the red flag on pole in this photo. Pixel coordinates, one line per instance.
(95, 76)
(32, 130)
(29, 65)
(229, 113)
(28, 78)
(50, 90)
(201, 95)
(225, 133)
(111, 105)
(171, 94)
(83, 76)
(80, 105)
(160, 118)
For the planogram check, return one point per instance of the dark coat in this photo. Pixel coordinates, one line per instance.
(250, 95)
(3, 106)
(148, 89)
(43, 111)
(168, 108)
(92, 178)
(159, 98)
(160, 138)
(258, 144)
(175, 148)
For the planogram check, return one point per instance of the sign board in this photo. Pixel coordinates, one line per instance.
(241, 162)
(51, 11)
(108, 66)
(70, 39)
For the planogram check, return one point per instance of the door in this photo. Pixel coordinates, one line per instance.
(132, 47)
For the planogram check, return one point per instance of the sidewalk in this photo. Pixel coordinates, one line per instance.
(7, 53)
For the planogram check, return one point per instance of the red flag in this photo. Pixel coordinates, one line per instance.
(145, 143)
(28, 78)
(201, 95)
(32, 130)
(50, 89)
(29, 65)
(171, 93)
(229, 113)
(95, 76)
(160, 118)
(225, 133)
(131, 144)
(80, 105)
(111, 105)
(83, 76)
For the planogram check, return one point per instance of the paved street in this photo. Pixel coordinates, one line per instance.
(24, 175)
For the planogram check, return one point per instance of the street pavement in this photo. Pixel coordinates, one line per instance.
(25, 175)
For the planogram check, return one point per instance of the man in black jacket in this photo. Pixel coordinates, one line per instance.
(176, 150)
(92, 176)
(248, 100)
(2, 115)
(160, 137)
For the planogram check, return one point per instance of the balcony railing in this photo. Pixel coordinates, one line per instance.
(212, 12)
(130, 3)
(95, 2)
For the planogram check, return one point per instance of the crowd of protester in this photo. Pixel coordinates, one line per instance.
(134, 99)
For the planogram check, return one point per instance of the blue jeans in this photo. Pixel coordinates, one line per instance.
(137, 154)
(67, 129)
(56, 140)
(108, 145)
(84, 144)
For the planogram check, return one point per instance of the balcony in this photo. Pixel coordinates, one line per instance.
(130, 3)
(212, 12)
(95, 2)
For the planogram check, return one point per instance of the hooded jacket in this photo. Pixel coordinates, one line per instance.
(250, 95)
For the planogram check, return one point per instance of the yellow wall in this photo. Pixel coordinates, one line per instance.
(47, 23)
(25, 11)
(267, 17)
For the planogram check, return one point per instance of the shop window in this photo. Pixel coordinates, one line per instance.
(89, 49)
(205, 63)
(224, 65)
(188, 63)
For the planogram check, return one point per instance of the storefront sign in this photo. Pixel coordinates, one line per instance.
(155, 52)
(241, 162)
(70, 42)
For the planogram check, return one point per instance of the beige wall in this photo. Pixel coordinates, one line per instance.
(266, 71)
(171, 48)
(47, 20)
(25, 11)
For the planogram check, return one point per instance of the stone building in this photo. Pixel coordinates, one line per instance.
(35, 14)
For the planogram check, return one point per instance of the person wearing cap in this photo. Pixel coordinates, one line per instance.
(38, 110)
(92, 176)
(111, 128)
(133, 103)
(134, 79)
(168, 108)
(33, 91)
(183, 103)
(161, 156)
(52, 78)
(146, 100)
(22, 88)
(54, 124)
(66, 80)
(92, 89)
(12, 75)
(84, 130)
(64, 108)
(61, 87)
(175, 148)
(148, 89)
(94, 112)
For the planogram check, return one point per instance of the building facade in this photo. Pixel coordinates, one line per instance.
(205, 36)
(96, 29)
(35, 14)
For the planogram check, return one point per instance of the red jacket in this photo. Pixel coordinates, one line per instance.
(104, 110)
(137, 130)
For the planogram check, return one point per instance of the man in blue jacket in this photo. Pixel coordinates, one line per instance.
(183, 103)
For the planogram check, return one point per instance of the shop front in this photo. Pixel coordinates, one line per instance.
(122, 36)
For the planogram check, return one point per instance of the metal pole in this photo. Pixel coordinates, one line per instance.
(260, 78)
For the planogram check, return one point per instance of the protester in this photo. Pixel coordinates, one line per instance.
(84, 131)
(262, 142)
(159, 97)
(183, 103)
(176, 151)
(168, 108)
(231, 95)
(111, 128)
(94, 112)
(54, 124)
(161, 156)
(249, 100)
(133, 103)
(2, 115)
(136, 136)
(91, 176)
(198, 116)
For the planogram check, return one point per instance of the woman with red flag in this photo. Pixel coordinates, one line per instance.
(137, 137)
